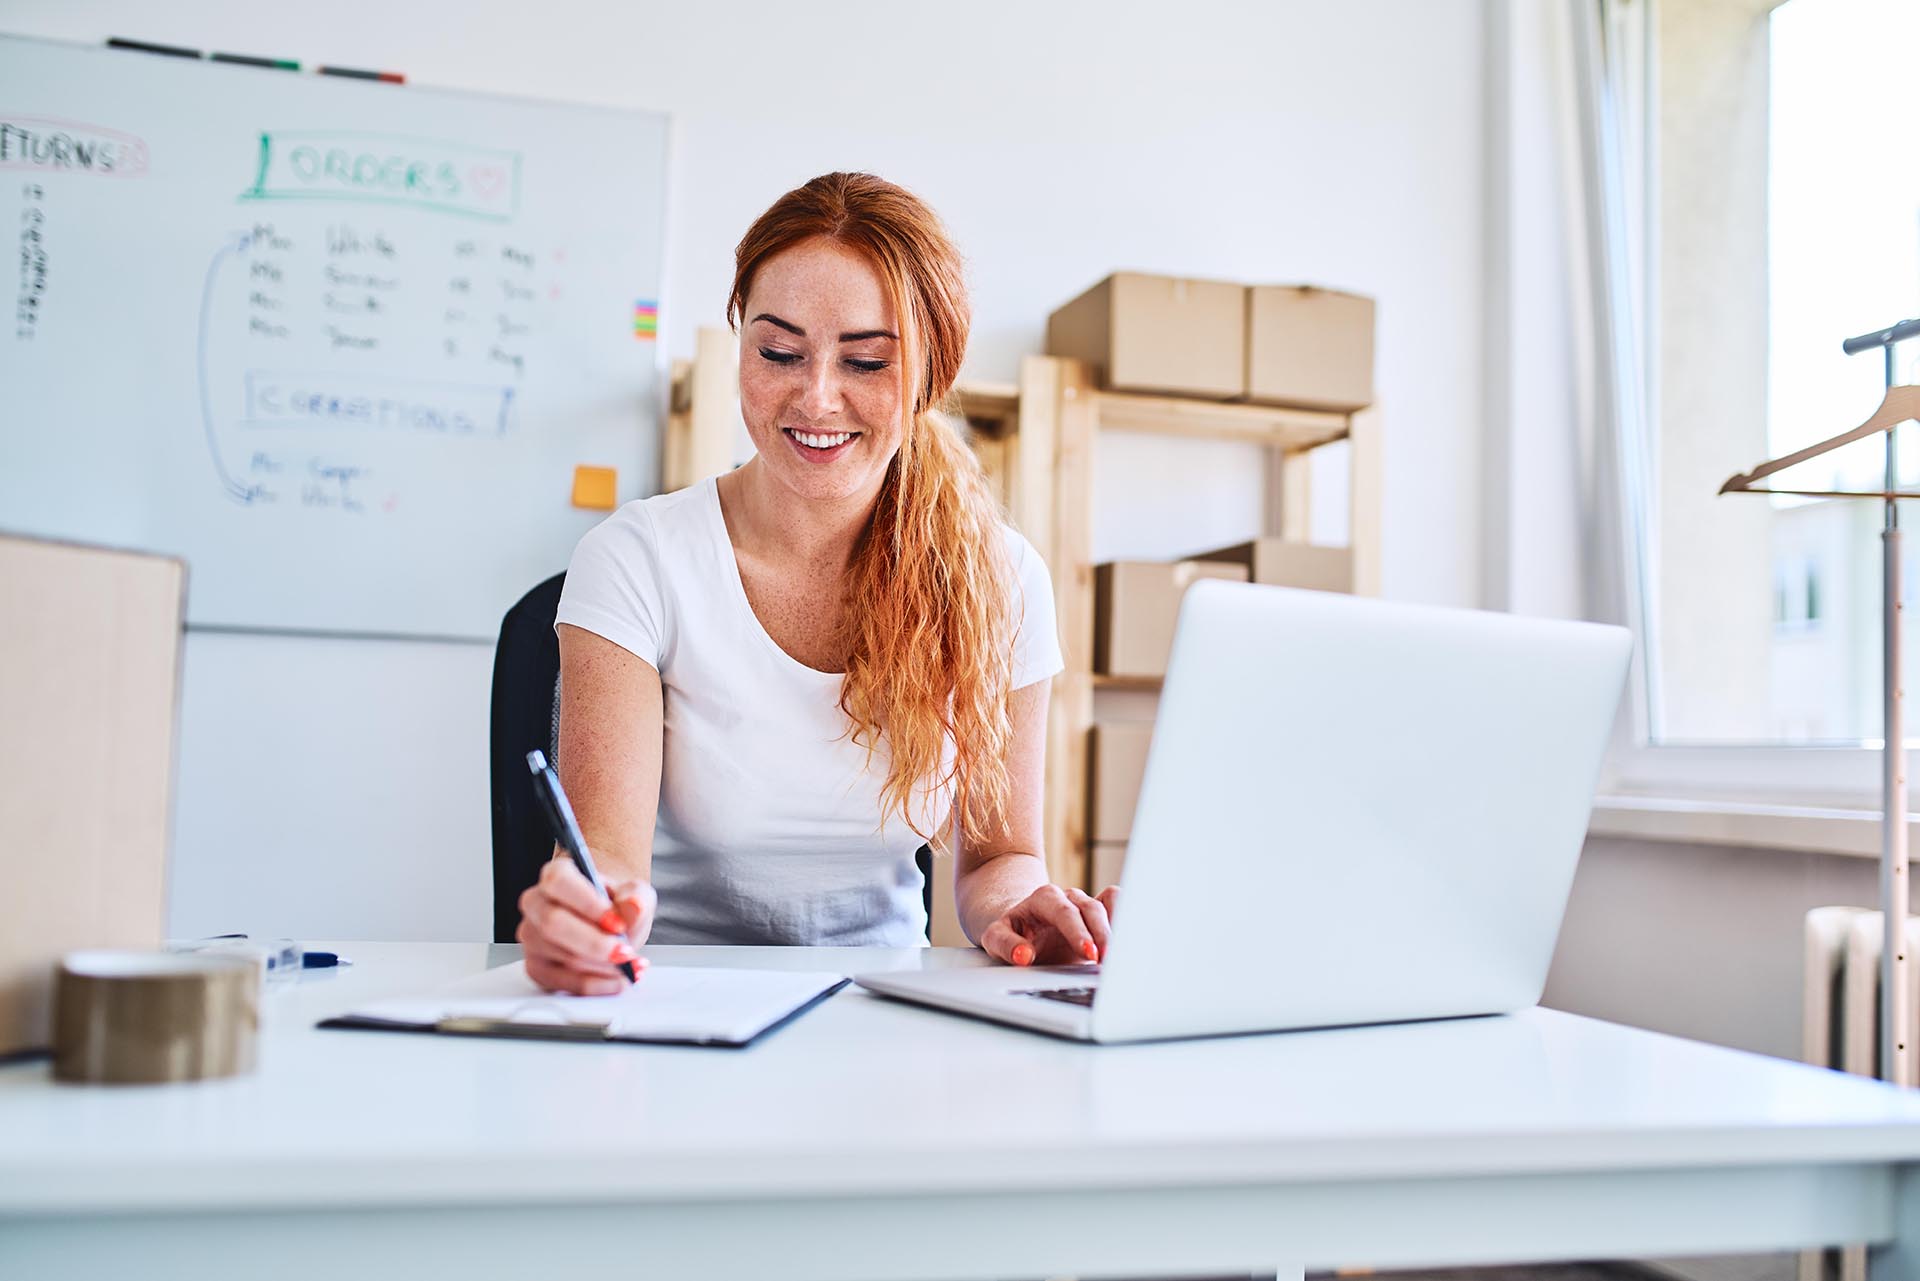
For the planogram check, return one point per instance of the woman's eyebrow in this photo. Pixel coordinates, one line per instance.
(855, 336)
(787, 325)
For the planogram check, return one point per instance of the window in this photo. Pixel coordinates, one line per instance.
(1796, 596)
(1786, 210)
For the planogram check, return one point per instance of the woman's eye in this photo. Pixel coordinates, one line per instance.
(777, 356)
(868, 366)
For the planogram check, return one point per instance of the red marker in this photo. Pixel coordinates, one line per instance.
(354, 73)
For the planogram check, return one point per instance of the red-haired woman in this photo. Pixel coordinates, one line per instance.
(775, 684)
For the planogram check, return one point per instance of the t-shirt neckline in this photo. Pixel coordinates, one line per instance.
(724, 546)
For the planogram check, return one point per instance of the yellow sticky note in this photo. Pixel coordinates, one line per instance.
(593, 488)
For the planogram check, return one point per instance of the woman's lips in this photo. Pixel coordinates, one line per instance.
(814, 453)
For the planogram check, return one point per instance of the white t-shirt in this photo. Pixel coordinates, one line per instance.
(769, 823)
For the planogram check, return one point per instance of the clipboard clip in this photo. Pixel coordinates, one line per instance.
(473, 1025)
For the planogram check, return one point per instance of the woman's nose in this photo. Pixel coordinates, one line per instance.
(820, 396)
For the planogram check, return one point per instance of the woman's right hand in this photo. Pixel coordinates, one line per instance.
(571, 935)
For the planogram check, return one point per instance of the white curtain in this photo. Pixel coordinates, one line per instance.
(1610, 195)
(1567, 478)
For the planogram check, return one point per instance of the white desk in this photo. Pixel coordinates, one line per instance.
(874, 1140)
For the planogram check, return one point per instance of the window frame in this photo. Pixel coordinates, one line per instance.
(1623, 200)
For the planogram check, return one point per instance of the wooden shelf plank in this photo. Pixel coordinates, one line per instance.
(1366, 472)
(1289, 429)
(993, 409)
(1071, 714)
(1148, 683)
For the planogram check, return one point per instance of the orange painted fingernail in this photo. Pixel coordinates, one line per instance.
(1088, 950)
(1023, 954)
(621, 953)
(611, 922)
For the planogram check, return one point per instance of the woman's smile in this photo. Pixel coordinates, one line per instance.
(820, 447)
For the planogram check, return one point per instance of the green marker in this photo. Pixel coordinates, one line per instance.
(248, 60)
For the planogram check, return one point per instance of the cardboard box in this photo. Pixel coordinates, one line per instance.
(1309, 346)
(1117, 758)
(1108, 860)
(1135, 603)
(1157, 334)
(1279, 563)
(89, 673)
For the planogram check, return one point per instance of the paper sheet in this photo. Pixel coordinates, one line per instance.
(669, 1003)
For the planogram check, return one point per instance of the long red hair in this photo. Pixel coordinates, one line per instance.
(929, 599)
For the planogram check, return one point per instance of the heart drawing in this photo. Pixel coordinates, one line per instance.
(488, 181)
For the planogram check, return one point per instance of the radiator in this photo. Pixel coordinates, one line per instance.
(1840, 1027)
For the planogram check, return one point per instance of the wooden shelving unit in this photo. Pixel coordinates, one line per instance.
(1035, 440)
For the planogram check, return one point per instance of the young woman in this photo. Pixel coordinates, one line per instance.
(776, 685)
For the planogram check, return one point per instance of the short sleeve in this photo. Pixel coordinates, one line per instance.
(1036, 643)
(614, 586)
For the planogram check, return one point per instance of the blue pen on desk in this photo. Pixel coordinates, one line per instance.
(566, 830)
(281, 955)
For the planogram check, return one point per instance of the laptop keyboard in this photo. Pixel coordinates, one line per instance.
(1070, 995)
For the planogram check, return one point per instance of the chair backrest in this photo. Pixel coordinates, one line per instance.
(526, 691)
(526, 715)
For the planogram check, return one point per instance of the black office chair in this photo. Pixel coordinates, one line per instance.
(526, 715)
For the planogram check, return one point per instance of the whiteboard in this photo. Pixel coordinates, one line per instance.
(339, 344)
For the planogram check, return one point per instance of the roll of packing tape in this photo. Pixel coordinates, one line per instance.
(142, 1017)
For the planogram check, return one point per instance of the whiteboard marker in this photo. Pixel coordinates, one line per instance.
(386, 77)
(171, 50)
(248, 60)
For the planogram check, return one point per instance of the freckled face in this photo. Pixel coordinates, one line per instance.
(819, 371)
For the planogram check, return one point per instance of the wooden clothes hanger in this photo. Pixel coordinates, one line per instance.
(1900, 404)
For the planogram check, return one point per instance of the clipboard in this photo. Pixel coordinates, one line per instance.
(712, 1007)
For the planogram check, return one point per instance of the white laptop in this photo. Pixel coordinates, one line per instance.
(1353, 811)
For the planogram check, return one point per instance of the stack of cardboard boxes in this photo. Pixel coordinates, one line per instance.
(1293, 345)
(1297, 345)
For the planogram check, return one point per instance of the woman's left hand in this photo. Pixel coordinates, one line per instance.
(1053, 926)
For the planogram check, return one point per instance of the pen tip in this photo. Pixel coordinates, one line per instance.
(536, 760)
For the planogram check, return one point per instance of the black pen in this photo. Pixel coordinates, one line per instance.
(566, 830)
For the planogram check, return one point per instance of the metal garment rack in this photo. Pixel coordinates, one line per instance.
(1896, 992)
(1896, 1013)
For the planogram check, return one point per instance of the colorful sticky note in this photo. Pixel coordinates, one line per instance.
(593, 488)
(646, 320)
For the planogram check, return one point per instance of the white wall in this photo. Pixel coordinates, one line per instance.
(338, 788)
(1703, 941)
